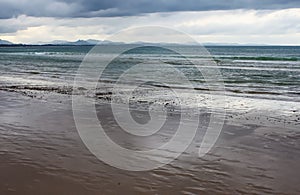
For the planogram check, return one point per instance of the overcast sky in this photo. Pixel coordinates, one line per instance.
(220, 21)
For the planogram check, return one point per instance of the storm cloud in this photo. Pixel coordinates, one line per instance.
(233, 26)
(112, 8)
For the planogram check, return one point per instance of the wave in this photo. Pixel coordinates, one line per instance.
(15, 88)
(259, 58)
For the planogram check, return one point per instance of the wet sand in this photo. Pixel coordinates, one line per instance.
(42, 153)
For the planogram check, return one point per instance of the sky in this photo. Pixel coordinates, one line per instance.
(222, 21)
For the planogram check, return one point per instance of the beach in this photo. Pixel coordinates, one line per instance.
(257, 151)
(42, 153)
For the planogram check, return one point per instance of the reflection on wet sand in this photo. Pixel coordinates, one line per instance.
(42, 153)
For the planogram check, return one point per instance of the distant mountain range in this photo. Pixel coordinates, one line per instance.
(79, 42)
(95, 42)
(62, 42)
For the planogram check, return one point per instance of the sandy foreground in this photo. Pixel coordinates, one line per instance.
(42, 153)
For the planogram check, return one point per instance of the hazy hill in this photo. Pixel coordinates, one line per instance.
(3, 42)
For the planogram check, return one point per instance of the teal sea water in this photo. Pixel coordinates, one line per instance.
(270, 72)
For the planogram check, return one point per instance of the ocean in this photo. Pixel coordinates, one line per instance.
(257, 76)
(255, 71)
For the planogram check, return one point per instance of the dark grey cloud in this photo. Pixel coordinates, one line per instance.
(10, 29)
(111, 8)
